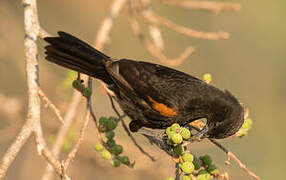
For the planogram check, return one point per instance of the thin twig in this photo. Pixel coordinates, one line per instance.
(128, 132)
(103, 32)
(205, 5)
(72, 154)
(159, 20)
(51, 105)
(68, 119)
(230, 155)
(177, 171)
(153, 50)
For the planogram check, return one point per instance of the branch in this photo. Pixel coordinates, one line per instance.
(157, 52)
(230, 155)
(33, 115)
(72, 154)
(101, 39)
(102, 35)
(127, 131)
(51, 105)
(205, 5)
(68, 119)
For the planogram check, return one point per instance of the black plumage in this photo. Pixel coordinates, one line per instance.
(152, 95)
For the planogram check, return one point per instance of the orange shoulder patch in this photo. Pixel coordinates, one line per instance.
(162, 108)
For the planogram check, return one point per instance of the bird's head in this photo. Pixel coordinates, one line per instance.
(226, 118)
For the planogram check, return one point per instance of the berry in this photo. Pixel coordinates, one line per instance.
(186, 134)
(66, 146)
(109, 134)
(98, 147)
(206, 159)
(76, 84)
(111, 124)
(175, 126)
(204, 177)
(178, 150)
(177, 138)
(187, 157)
(171, 133)
(186, 177)
(212, 169)
(110, 142)
(102, 128)
(125, 160)
(197, 163)
(116, 149)
(207, 78)
(203, 172)
(187, 167)
(170, 178)
(115, 162)
(106, 154)
(102, 121)
(247, 124)
(170, 142)
(168, 130)
(86, 92)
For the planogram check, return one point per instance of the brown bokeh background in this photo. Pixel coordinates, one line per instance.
(251, 64)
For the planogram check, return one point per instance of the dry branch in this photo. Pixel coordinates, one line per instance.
(51, 105)
(205, 5)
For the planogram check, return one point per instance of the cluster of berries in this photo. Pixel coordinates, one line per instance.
(201, 167)
(110, 149)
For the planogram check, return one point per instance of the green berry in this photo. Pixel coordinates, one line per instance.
(76, 84)
(175, 126)
(66, 146)
(206, 159)
(178, 150)
(98, 147)
(204, 177)
(170, 178)
(247, 124)
(109, 134)
(125, 160)
(187, 157)
(116, 149)
(186, 177)
(170, 142)
(102, 128)
(212, 169)
(110, 142)
(86, 92)
(168, 130)
(177, 138)
(187, 167)
(197, 163)
(203, 172)
(103, 121)
(111, 124)
(207, 78)
(186, 134)
(115, 162)
(171, 133)
(106, 154)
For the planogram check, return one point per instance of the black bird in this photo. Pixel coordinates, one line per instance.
(152, 95)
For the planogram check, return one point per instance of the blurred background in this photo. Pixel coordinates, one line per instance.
(251, 64)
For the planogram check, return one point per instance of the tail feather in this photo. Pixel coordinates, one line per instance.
(70, 52)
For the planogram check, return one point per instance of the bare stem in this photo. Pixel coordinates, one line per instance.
(205, 5)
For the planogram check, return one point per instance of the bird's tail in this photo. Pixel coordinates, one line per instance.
(70, 52)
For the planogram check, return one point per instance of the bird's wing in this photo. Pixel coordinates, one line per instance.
(161, 88)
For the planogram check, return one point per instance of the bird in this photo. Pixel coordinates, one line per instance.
(151, 95)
